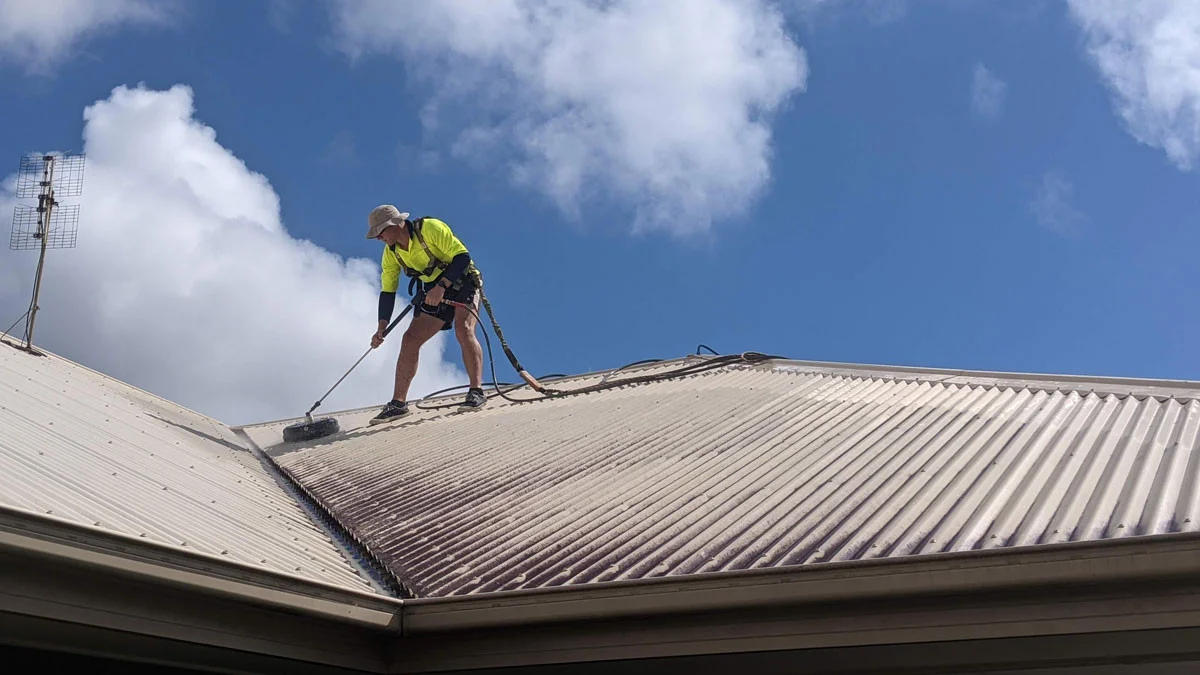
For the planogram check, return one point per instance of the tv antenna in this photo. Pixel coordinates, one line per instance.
(49, 224)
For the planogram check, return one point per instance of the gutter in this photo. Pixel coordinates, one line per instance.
(23, 534)
(1161, 558)
(1060, 567)
(955, 596)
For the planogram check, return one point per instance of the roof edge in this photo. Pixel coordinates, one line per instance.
(1122, 561)
(1132, 386)
(29, 534)
(508, 628)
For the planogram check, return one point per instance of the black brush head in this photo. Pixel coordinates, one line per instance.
(309, 430)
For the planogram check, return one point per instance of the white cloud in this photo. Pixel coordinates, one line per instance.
(1148, 51)
(1053, 205)
(663, 109)
(987, 94)
(185, 282)
(41, 33)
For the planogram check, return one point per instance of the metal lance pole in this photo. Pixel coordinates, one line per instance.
(45, 210)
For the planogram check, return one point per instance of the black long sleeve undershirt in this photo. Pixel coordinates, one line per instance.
(387, 303)
(457, 266)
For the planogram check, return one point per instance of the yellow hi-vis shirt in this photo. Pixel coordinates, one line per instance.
(442, 243)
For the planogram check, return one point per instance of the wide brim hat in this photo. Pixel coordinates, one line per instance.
(382, 217)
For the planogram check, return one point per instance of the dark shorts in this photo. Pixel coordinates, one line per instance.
(464, 293)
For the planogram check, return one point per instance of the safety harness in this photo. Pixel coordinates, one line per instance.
(414, 231)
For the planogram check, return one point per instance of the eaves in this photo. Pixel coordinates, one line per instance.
(55, 576)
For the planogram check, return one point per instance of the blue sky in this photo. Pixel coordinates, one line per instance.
(948, 184)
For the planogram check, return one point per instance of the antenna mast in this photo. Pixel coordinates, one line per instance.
(49, 224)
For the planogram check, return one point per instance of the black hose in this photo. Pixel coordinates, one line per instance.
(491, 362)
(614, 371)
(718, 361)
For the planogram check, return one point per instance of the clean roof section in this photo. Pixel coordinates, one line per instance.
(81, 447)
(780, 465)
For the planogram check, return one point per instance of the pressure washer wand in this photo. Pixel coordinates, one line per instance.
(387, 330)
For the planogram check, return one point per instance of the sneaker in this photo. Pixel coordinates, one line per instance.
(475, 399)
(394, 410)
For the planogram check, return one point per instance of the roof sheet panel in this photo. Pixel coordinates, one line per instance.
(757, 467)
(79, 446)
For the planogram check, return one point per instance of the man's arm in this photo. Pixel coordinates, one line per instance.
(456, 268)
(387, 303)
(450, 275)
(389, 281)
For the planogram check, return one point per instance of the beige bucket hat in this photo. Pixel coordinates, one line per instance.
(381, 217)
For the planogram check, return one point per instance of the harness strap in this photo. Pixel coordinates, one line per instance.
(414, 230)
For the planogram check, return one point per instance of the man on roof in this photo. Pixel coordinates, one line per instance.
(440, 268)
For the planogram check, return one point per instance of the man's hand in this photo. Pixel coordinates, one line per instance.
(377, 338)
(434, 297)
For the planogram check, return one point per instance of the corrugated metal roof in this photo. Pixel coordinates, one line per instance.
(742, 468)
(79, 446)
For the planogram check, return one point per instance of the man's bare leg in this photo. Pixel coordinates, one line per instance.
(422, 328)
(472, 353)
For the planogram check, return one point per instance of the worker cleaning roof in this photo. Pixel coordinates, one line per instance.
(441, 272)
(447, 289)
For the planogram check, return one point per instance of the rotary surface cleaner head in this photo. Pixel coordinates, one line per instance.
(310, 429)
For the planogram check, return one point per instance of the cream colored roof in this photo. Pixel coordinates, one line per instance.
(777, 465)
(81, 447)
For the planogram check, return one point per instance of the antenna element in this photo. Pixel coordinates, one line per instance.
(49, 224)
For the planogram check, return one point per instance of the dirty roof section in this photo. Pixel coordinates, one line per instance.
(770, 466)
(81, 447)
